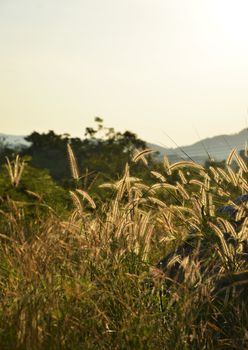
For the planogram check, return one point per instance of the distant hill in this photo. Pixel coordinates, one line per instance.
(13, 140)
(157, 148)
(217, 147)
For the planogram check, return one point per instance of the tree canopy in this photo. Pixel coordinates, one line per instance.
(101, 154)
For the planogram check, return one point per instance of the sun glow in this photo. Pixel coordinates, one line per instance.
(231, 19)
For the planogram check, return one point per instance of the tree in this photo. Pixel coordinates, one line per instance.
(102, 153)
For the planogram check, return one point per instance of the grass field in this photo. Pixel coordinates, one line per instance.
(90, 281)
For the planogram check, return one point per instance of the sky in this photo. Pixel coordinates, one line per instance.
(154, 67)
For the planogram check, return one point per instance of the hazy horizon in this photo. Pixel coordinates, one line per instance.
(152, 67)
(171, 143)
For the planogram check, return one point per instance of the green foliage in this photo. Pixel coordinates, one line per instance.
(36, 191)
(101, 155)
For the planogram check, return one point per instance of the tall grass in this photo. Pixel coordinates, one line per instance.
(90, 281)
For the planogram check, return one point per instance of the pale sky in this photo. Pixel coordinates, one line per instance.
(178, 67)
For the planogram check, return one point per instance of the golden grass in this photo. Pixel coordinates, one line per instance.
(90, 282)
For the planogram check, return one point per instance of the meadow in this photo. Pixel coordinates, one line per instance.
(88, 278)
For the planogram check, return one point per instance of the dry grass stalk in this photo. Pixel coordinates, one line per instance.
(231, 157)
(166, 164)
(79, 279)
(182, 191)
(87, 197)
(182, 177)
(166, 186)
(15, 170)
(76, 202)
(158, 176)
(141, 155)
(184, 164)
(73, 163)
(227, 253)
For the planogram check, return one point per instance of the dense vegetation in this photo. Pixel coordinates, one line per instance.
(78, 255)
(101, 154)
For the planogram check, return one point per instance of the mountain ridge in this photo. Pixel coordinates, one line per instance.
(216, 147)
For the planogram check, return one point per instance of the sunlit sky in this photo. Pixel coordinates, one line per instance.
(155, 67)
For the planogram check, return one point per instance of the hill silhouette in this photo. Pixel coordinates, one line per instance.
(216, 147)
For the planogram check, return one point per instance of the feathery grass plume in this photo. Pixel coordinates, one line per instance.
(196, 182)
(243, 184)
(223, 193)
(19, 170)
(34, 194)
(182, 177)
(215, 174)
(17, 166)
(87, 197)
(182, 191)
(136, 194)
(203, 173)
(227, 227)
(231, 157)
(173, 260)
(123, 184)
(211, 205)
(113, 214)
(108, 185)
(158, 176)
(239, 174)
(227, 253)
(184, 164)
(197, 206)
(76, 202)
(207, 181)
(144, 222)
(233, 176)
(73, 163)
(147, 241)
(246, 149)
(164, 185)
(187, 222)
(203, 197)
(137, 200)
(184, 209)
(166, 221)
(132, 179)
(240, 162)
(178, 214)
(142, 186)
(15, 170)
(240, 213)
(243, 233)
(142, 190)
(141, 155)
(143, 231)
(224, 175)
(157, 201)
(166, 164)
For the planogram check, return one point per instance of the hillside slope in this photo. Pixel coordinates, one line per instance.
(217, 147)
